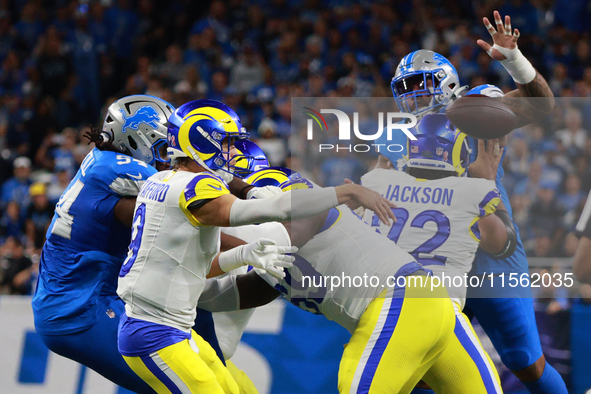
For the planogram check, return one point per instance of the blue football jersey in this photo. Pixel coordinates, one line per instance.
(484, 262)
(86, 244)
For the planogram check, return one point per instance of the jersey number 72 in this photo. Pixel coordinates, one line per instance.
(422, 253)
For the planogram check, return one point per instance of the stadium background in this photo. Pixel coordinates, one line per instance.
(63, 62)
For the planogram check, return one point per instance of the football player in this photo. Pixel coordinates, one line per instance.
(333, 244)
(76, 307)
(176, 243)
(426, 82)
(441, 221)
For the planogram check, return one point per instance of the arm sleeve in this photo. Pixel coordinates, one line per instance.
(583, 228)
(220, 295)
(129, 177)
(291, 205)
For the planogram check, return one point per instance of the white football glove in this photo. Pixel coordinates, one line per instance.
(263, 254)
(266, 255)
(263, 192)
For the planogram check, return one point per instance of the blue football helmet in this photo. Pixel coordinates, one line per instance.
(199, 128)
(439, 146)
(424, 82)
(281, 177)
(137, 124)
(249, 158)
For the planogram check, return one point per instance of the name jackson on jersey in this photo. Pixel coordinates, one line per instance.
(420, 194)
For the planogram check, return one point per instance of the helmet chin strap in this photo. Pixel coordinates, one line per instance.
(226, 176)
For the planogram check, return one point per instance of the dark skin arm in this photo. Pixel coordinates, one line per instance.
(227, 242)
(124, 210)
(532, 101)
(493, 234)
(239, 188)
(301, 231)
(254, 291)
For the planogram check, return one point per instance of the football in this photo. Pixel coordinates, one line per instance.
(481, 116)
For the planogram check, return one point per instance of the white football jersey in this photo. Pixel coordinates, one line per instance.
(437, 220)
(170, 253)
(351, 253)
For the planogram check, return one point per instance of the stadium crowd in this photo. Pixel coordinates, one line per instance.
(62, 62)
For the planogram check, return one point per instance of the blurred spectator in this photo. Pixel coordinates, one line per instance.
(38, 216)
(42, 123)
(15, 268)
(273, 146)
(573, 135)
(58, 150)
(55, 67)
(17, 187)
(559, 79)
(248, 72)
(173, 69)
(29, 27)
(191, 85)
(86, 48)
(11, 223)
(341, 165)
(58, 185)
(546, 219)
(529, 186)
(572, 196)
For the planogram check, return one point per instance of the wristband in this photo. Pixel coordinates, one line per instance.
(517, 65)
(231, 259)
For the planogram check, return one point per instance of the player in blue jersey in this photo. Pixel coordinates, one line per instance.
(76, 306)
(426, 82)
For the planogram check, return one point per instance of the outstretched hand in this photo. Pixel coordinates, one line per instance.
(264, 254)
(364, 197)
(487, 163)
(502, 36)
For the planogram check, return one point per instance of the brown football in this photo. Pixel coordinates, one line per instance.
(481, 116)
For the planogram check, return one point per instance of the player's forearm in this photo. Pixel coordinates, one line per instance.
(215, 269)
(498, 235)
(229, 242)
(292, 205)
(532, 101)
(254, 291)
(239, 188)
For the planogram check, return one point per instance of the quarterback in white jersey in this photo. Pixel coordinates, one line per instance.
(176, 241)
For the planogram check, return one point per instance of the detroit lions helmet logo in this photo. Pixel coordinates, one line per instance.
(145, 114)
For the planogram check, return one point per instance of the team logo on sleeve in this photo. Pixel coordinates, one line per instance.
(145, 114)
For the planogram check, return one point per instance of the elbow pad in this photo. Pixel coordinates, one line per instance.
(511, 244)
